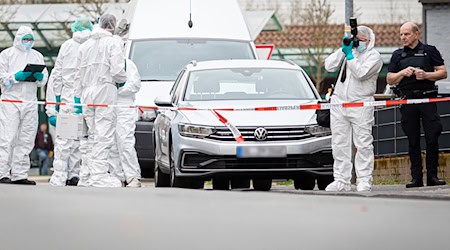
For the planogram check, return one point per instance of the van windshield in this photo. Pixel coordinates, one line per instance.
(162, 60)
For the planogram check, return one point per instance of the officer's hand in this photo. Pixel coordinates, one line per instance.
(420, 74)
(408, 71)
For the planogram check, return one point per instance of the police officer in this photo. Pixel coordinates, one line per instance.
(414, 69)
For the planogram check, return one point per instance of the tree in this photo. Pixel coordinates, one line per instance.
(316, 14)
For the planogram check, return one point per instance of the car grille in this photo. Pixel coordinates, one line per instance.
(204, 161)
(273, 134)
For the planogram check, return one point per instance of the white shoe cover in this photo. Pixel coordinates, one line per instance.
(104, 180)
(135, 183)
(337, 186)
(363, 187)
(58, 179)
(83, 182)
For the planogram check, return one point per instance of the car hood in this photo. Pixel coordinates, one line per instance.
(249, 118)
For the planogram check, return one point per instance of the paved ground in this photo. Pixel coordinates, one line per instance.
(45, 217)
(380, 191)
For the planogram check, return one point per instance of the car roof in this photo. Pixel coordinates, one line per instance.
(220, 64)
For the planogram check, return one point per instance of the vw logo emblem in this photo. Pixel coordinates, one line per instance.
(260, 134)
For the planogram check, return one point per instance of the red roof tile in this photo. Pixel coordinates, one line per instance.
(298, 36)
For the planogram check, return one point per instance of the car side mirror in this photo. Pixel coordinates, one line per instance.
(164, 101)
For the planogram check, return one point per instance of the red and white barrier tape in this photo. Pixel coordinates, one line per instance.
(234, 130)
(268, 108)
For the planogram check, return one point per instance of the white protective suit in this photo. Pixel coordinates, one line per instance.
(347, 123)
(123, 159)
(63, 76)
(101, 65)
(18, 122)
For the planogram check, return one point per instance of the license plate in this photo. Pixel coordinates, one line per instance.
(261, 152)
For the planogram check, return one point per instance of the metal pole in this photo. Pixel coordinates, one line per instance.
(348, 14)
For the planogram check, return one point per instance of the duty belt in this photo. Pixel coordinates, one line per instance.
(415, 94)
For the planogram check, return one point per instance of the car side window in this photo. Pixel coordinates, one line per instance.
(175, 84)
(175, 92)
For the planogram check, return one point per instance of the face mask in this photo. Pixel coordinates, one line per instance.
(361, 47)
(27, 45)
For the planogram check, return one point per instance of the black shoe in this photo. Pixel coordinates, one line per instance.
(415, 183)
(73, 181)
(5, 180)
(434, 181)
(24, 182)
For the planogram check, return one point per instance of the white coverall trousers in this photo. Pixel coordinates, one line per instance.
(101, 124)
(124, 161)
(18, 128)
(66, 164)
(356, 124)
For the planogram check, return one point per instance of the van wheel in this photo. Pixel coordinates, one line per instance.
(161, 179)
(305, 182)
(324, 181)
(221, 183)
(262, 184)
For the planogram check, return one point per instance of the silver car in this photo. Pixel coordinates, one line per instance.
(193, 134)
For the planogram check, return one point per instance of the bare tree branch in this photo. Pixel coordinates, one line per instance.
(316, 14)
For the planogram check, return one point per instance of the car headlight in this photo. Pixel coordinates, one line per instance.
(318, 131)
(195, 131)
(147, 115)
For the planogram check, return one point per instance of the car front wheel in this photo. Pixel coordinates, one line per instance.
(161, 179)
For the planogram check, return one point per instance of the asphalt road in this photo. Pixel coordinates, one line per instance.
(45, 217)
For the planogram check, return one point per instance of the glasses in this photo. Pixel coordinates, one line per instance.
(27, 40)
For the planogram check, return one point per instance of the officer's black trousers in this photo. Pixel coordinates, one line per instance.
(411, 115)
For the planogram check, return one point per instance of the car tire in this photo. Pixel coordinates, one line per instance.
(324, 181)
(262, 184)
(240, 183)
(221, 183)
(161, 179)
(305, 182)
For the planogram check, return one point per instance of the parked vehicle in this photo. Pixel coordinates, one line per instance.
(193, 145)
(165, 35)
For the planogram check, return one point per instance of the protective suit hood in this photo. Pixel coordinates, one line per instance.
(81, 36)
(21, 32)
(368, 31)
(100, 33)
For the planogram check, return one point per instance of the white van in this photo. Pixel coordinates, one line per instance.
(161, 40)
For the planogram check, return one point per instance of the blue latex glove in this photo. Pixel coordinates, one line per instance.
(348, 50)
(58, 99)
(38, 75)
(52, 120)
(78, 109)
(21, 76)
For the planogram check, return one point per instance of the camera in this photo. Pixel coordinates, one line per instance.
(354, 32)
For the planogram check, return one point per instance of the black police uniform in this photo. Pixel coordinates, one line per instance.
(425, 57)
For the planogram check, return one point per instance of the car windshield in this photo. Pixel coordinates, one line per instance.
(162, 60)
(247, 84)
